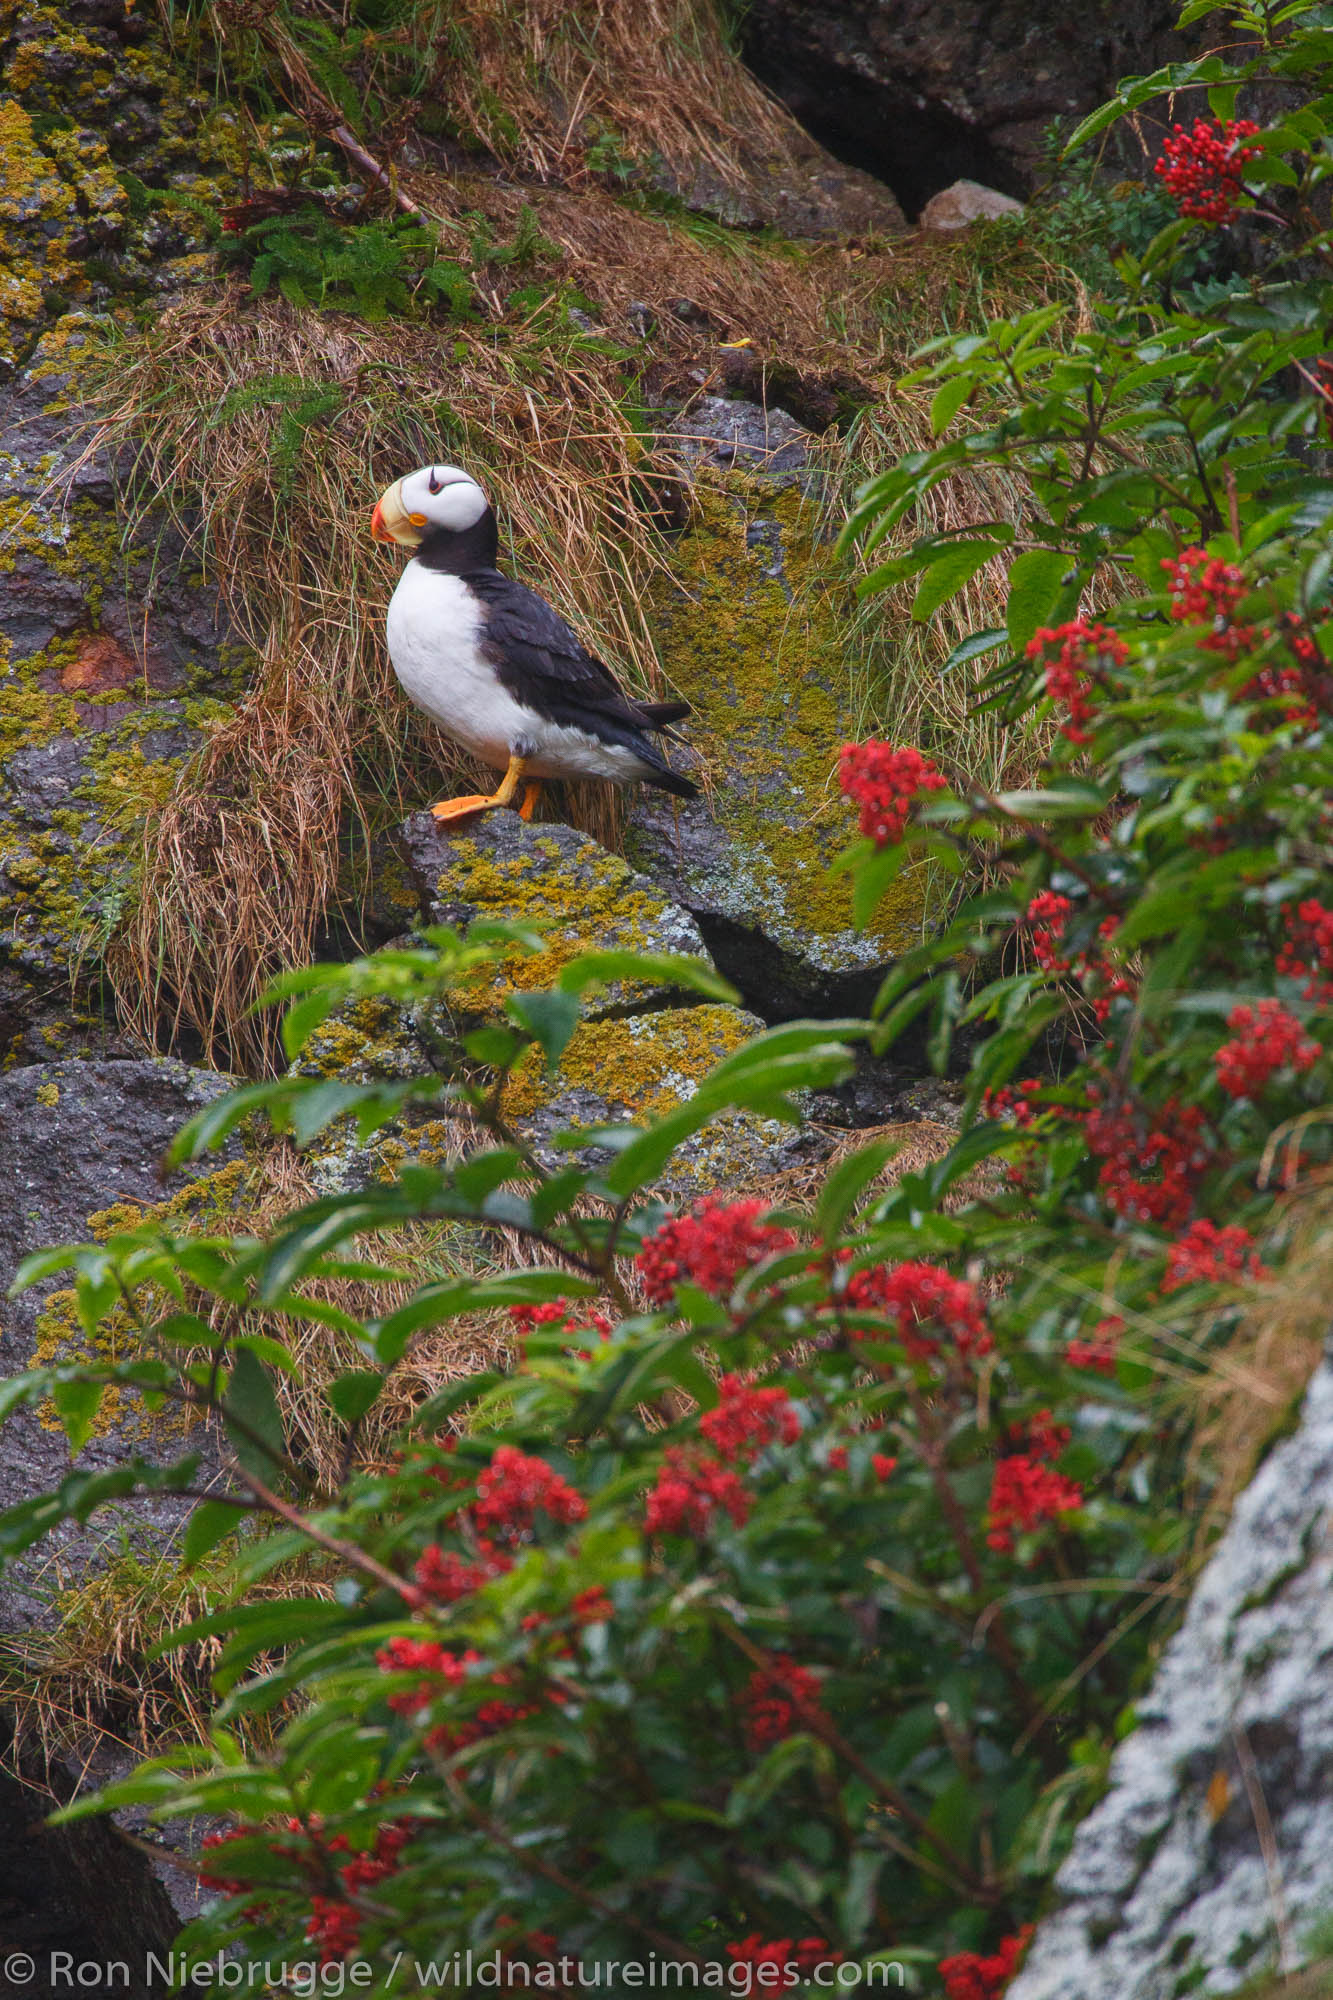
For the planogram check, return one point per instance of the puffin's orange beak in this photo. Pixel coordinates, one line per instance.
(391, 521)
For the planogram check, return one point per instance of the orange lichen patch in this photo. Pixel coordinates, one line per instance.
(99, 665)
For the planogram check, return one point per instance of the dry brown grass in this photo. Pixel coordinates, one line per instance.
(90, 1681)
(238, 866)
(1262, 1372)
(536, 79)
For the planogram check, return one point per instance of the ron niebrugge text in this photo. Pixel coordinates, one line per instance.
(305, 1978)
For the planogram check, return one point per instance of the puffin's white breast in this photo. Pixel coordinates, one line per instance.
(434, 630)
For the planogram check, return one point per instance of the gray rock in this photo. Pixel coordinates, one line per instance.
(501, 868)
(810, 194)
(110, 665)
(641, 1047)
(1168, 1888)
(75, 1138)
(966, 202)
(112, 658)
(717, 431)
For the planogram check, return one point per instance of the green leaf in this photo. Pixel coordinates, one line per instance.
(251, 1417)
(667, 968)
(1036, 581)
(953, 568)
(782, 1762)
(210, 1523)
(847, 1182)
(949, 399)
(77, 1403)
(350, 1396)
(973, 647)
(550, 1018)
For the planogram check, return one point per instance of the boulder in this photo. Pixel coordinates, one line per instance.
(754, 624)
(502, 869)
(1210, 1855)
(640, 1050)
(81, 1144)
(966, 202)
(809, 194)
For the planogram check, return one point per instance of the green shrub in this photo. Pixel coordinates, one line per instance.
(785, 1600)
(372, 268)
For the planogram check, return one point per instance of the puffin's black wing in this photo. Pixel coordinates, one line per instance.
(542, 663)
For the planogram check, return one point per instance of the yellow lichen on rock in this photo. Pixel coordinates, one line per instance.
(643, 1065)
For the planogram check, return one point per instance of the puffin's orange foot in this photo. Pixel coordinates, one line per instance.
(464, 808)
(532, 791)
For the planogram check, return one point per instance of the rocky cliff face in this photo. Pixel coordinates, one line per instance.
(923, 94)
(1210, 1860)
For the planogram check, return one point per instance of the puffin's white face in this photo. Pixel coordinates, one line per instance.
(435, 496)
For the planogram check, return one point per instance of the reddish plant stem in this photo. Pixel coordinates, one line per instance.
(957, 1874)
(997, 1632)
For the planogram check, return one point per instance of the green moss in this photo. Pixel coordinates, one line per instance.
(213, 1198)
(643, 1064)
(368, 1038)
(754, 623)
(586, 902)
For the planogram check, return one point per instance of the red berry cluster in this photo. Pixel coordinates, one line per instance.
(803, 1956)
(691, 1488)
(777, 1701)
(885, 782)
(559, 1313)
(1307, 951)
(334, 1925)
(1202, 168)
(710, 1247)
(1100, 1352)
(747, 1419)
(921, 1297)
(969, 1975)
(881, 1464)
(1047, 916)
(1039, 1436)
(1287, 685)
(443, 1577)
(442, 1670)
(1204, 590)
(514, 1489)
(1209, 1255)
(1025, 1492)
(439, 1667)
(1151, 1158)
(1013, 1101)
(1083, 655)
(1268, 1038)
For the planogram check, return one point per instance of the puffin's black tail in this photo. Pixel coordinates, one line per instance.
(660, 713)
(668, 780)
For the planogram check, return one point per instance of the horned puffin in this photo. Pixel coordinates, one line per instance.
(495, 666)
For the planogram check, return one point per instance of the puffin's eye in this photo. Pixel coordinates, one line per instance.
(435, 484)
